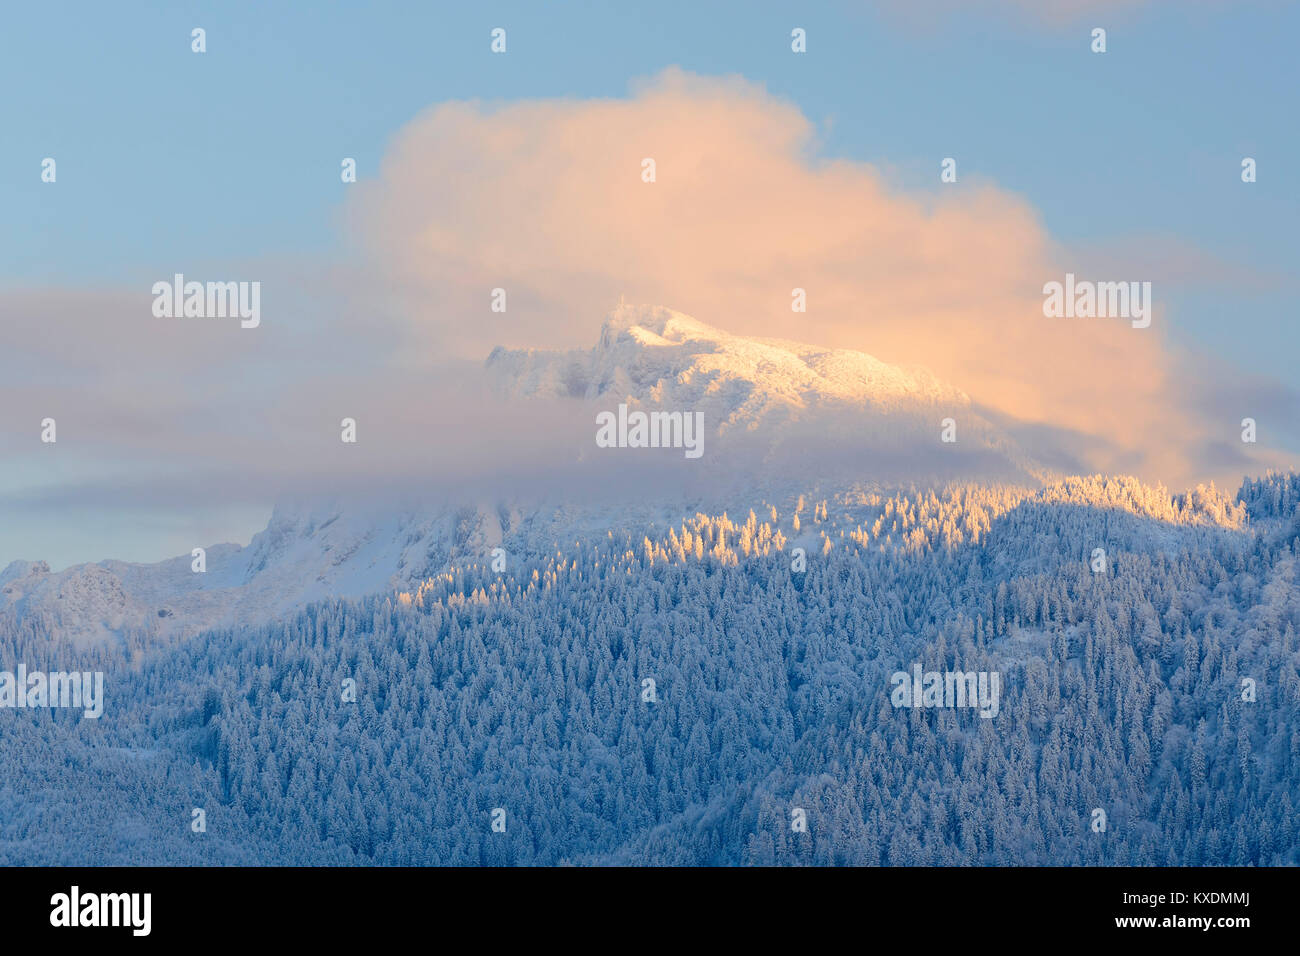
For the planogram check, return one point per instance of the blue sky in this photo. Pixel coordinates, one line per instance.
(234, 155)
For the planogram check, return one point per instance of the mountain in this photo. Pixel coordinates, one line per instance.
(773, 403)
(675, 698)
(308, 551)
(781, 418)
(652, 353)
(665, 680)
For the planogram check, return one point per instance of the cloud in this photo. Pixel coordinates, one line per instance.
(546, 200)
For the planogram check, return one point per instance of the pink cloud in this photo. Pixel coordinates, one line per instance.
(546, 200)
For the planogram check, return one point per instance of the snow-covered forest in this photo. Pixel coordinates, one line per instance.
(1123, 690)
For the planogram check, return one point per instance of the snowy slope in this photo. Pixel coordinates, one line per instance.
(306, 552)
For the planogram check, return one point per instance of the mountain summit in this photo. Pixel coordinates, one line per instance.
(656, 355)
(775, 402)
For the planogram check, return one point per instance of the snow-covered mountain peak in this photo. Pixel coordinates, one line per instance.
(655, 355)
(655, 326)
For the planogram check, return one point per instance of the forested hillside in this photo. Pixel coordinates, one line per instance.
(526, 690)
